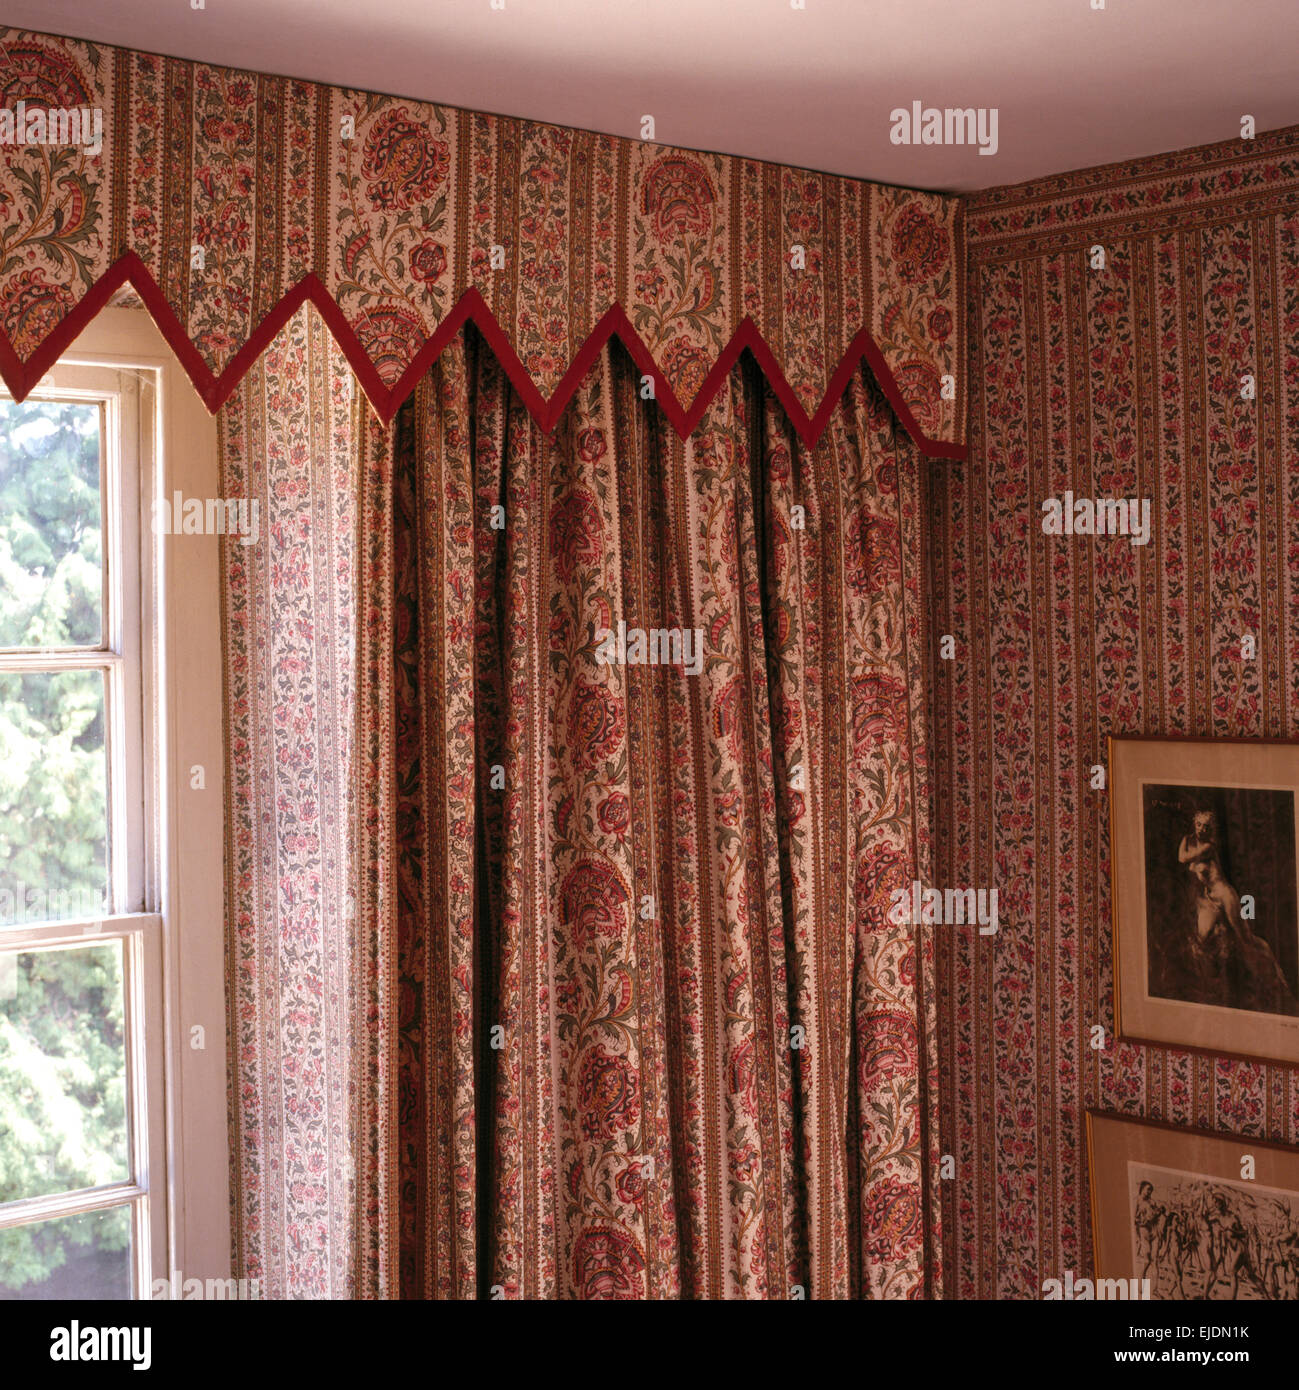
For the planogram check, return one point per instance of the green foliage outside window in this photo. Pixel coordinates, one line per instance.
(62, 1071)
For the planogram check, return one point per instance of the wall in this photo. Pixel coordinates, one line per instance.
(1115, 382)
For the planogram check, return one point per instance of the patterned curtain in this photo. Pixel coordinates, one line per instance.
(289, 647)
(632, 1019)
(548, 976)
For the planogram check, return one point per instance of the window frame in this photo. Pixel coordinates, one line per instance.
(172, 883)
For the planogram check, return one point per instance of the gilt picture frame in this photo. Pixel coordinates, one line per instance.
(1204, 859)
(1182, 1213)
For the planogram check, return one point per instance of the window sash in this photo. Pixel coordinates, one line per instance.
(125, 397)
(141, 935)
(125, 445)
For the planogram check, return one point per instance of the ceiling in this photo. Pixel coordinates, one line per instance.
(815, 86)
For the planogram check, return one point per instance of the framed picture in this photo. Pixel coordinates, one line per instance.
(1204, 853)
(1173, 1210)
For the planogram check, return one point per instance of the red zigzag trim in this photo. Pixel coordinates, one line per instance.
(21, 377)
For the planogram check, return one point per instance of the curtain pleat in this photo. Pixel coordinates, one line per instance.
(636, 1022)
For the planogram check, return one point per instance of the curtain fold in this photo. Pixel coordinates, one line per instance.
(631, 1018)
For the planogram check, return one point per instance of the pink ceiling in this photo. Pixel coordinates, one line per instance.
(1073, 86)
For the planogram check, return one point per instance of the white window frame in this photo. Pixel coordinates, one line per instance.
(173, 953)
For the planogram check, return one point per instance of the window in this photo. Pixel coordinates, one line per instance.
(112, 1103)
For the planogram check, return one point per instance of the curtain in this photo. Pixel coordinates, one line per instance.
(289, 620)
(551, 977)
(547, 975)
(632, 1020)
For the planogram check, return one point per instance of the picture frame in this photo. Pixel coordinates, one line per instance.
(1174, 1215)
(1204, 860)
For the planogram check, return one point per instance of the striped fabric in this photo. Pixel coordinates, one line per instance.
(1114, 377)
(620, 1013)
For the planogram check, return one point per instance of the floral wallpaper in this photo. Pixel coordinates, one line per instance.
(227, 198)
(1110, 378)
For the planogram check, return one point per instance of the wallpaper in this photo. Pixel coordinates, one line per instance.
(1113, 316)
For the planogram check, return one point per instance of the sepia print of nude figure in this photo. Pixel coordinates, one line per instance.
(1223, 960)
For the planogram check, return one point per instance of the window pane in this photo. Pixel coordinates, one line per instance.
(53, 797)
(62, 1069)
(51, 525)
(82, 1256)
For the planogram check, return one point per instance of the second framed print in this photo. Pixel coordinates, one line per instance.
(1170, 1207)
(1204, 855)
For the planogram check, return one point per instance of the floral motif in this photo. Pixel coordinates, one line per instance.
(403, 163)
(920, 245)
(919, 385)
(607, 1265)
(614, 815)
(575, 532)
(879, 710)
(50, 202)
(939, 323)
(678, 196)
(679, 267)
(686, 367)
(595, 723)
(882, 870)
(30, 307)
(593, 897)
(728, 711)
(892, 1217)
(608, 1095)
(226, 129)
(631, 1183)
(392, 335)
(41, 74)
(591, 446)
(872, 559)
(428, 261)
(889, 1045)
